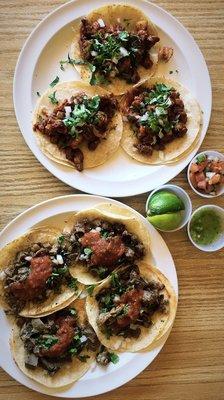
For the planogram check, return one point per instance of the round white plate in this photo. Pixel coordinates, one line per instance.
(98, 380)
(38, 65)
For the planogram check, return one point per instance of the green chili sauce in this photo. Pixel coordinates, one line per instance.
(205, 227)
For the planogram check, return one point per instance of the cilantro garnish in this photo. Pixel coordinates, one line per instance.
(72, 311)
(82, 113)
(61, 239)
(114, 358)
(54, 82)
(87, 251)
(83, 357)
(52, 98)
(90, 289)
(47, 341)
(73, 284)
(201, 158)
(72, 62)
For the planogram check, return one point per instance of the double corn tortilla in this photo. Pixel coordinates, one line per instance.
(110, 213)
(161, 322)
(69, 372)
(179, 147)
(106, 148)
(127, 16)
(55, 301)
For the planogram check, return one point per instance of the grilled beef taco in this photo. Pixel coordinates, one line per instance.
(55, 350)
(115, 46)
(162, 121)
(35, 278)
(77, 125)
(103, 240)
(132, 308)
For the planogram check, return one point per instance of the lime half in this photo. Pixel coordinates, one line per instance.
(166, 222)
(163, 202)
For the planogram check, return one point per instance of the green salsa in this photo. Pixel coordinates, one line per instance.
(205, 227)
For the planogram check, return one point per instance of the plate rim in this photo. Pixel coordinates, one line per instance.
(141, 359)
(88, 184)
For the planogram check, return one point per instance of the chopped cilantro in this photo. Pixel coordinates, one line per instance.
(83, 357)
(201, 158)
(46, 341)
(54, 82)
(52, 98)
(61, 239)
(82, 113)
(104, 233)
(72, 284)
(114, 358)
(124, 36)
(72, 311)
(90, 289)
(87, 251)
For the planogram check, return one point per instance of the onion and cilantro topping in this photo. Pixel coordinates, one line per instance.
(157, 116)
(111, 50)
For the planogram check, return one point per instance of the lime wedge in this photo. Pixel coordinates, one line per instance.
(166, 222)
(164, 202)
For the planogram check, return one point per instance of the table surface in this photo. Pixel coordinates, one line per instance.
(191, 364)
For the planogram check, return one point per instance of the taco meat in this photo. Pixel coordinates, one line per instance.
(129, 303)
(37, 272)
(113, 51)
(102, 246)
(53, 341)
(157, 116)
(75, 121)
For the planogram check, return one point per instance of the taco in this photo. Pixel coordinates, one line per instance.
(55, 350)
(132, 308)
(103, 240)
(115, 46)
(35, 278)
(77, 125)
(161, 121)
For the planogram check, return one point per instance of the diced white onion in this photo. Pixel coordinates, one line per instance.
(28, 258)
(144, 117)
(154, 57)
(123, 51)
(2, 276)
(55, 261)
(98, 229)
(94, 53)
(161, 155)
(154, 140)
(160, 134)
(124, 118)
(101, 23)
(83, 339)
(68, 111)
(60, 259)
(209, 175)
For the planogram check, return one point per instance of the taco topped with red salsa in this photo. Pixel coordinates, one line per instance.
(35, 277)
(115, 45)
(104, 241)
(57, 349)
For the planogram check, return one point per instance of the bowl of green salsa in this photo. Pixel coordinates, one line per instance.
(206, 228)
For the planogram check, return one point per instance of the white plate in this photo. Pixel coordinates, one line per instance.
(38, 65)
(98, 380)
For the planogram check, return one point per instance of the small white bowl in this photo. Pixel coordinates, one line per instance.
(209, 153)
(184, 197)
(219, 242)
